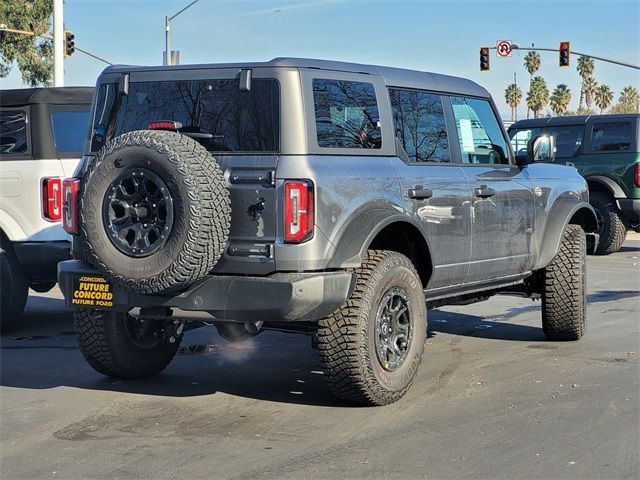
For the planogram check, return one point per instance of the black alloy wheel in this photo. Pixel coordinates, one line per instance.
(393, 330)
(138, 212)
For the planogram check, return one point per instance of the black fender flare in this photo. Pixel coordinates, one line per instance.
(354, 240)
(607, 184)
(564, 211)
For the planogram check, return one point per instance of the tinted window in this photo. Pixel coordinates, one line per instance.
(225, 118)
(520, 138)
(419, 126)
(613, 136)
(13, 131)
(346, 114)
(568, 140)
(479, 133)
(69, 129)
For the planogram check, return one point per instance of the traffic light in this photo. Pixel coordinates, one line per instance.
(565, 51)
(484, 59)
(69, 43)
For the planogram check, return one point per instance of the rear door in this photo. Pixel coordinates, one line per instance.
(435, 190)
(502, 197)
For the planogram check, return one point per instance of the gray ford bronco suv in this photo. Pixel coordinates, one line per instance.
(333, 199)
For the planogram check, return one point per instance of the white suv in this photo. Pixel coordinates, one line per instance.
(42, 132)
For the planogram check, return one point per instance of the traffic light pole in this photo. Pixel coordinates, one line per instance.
(573, 52)
(58, 44)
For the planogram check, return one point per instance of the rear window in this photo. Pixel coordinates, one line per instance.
(219, 115)
(346, 114)
(13, 131)
(611, 136)
(69, 129)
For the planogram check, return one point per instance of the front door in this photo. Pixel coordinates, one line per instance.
(502, 195)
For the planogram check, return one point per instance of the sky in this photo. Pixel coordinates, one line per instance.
(436, 36)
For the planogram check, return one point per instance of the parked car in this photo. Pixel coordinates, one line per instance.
(606, 151)
(42, 132)
(334, 199)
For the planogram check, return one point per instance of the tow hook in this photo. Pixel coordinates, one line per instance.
(172, 331)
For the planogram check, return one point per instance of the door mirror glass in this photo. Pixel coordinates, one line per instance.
(541, 148)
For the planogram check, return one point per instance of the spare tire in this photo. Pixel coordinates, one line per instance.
(154, 211)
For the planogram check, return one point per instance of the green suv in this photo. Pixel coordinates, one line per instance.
(606, 151)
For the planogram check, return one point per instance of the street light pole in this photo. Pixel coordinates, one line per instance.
(167, 34)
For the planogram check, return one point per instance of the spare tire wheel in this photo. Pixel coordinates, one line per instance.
(155, 211)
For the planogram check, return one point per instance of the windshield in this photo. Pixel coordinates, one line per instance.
(216, 112)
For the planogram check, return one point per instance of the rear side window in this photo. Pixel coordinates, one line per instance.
(13, 132)
(69, 129)
(346, 114)
(611, 136)
(220, 116)
(479, 133)
(419, 126)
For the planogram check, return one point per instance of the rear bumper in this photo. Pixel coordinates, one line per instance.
(630, 208)
(288, 297)
(40, 259)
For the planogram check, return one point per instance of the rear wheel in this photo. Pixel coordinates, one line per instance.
(14, 288)
(564, 297)
(611, 228)
(121, 346)
(372, 346)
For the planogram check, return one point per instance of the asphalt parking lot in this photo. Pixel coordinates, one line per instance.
(493, 399)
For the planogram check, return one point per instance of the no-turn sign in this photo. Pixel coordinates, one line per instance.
(503, 48)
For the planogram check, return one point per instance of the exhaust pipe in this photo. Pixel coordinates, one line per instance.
(253, 327)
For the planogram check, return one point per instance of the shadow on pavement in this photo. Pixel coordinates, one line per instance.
(273, 366)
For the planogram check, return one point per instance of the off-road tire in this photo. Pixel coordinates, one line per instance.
(108, 347)
(612, 230)
(346, 339)
(14, 288)
(201, 210)
(565, 282)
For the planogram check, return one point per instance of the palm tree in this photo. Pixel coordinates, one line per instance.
(532, 62)
(629, 99)
(560, 99)
(537, 96)
(604, 97)
(589, 85)
(585, 69)
(513, 97)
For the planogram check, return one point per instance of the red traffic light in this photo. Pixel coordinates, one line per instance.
(565, 51)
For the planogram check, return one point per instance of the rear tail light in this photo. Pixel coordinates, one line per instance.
(52, 199)
(70, 188)
(298, 210)
(637, 175)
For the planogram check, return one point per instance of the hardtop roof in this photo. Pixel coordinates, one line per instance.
(393, 77)
(571, 120)
(54, 95)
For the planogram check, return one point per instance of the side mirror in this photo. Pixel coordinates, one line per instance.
(541, 148)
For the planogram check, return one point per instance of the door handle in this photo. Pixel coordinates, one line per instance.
(420, 193)
(484, 192)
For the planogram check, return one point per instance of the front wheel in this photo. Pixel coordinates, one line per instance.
(565, 280)
(121, 346)
(372, 346)
(611, 228)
